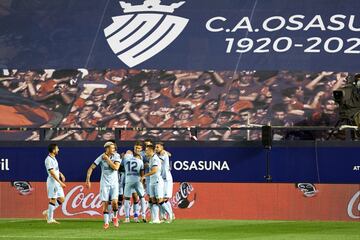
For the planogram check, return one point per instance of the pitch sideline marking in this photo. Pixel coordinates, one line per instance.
(56, 237)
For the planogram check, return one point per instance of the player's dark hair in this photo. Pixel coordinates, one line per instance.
(137, 155)
(151, 146)
(148, 140)
(138, 143)
(52, 147)
(161, 143)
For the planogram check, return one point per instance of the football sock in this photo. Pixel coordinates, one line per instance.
(155, 212)
(166, 209)
(127, 208)
(106, 217)
(51, 211)
(136, 209)
(143, 206)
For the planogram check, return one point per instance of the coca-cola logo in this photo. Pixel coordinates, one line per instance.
(353, 210)
(76, 199)
(185, 197)
(77, 202)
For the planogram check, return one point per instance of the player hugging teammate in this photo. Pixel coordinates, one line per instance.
(146, 167)
(157, 168)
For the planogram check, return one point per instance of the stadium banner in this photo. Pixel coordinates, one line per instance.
(191, 34)
(255, 201)
(200, 164)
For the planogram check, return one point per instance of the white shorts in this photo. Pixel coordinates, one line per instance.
(109, 192)
(54, 190)
(168, 188)
(132, 187)
(157, 190)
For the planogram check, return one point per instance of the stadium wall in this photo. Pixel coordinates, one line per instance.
(310, 181)
(256, 201)
(290, 162)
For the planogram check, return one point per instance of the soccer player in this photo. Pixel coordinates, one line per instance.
(166, 175)
(134, 170)
(146, 165)
(138, 149)
(109, 183)
(122, 182)
(121, 188)
(156, 185)
(146, 169)
(121, 176)
(55, 183)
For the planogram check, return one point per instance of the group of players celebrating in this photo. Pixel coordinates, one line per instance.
(143, 171)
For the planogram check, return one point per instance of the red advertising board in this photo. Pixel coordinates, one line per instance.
(256, 201)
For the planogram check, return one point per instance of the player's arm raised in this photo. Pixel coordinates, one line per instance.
(88, 175)
(52, 173)
(168, 153)
(114, 165)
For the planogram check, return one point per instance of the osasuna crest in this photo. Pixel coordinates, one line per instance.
(144, 30)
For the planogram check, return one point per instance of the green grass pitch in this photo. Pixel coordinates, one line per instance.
(180, 230)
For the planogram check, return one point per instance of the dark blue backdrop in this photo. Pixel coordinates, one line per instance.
(246, 164)
(69, 34)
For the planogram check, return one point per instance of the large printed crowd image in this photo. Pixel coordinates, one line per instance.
(141, 99)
